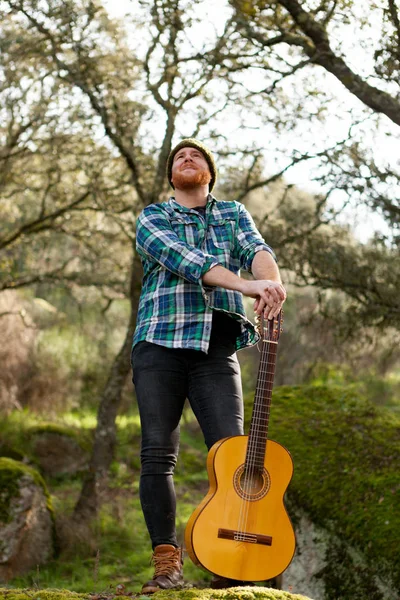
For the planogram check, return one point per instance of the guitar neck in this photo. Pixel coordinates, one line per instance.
(258, 433)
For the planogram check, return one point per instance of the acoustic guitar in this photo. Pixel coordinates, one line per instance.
(241, 529)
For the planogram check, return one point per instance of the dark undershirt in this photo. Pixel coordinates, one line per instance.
(224, 327)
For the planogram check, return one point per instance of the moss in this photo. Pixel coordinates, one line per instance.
(244, 593)
(346, 455)
(36, 594)
(80, 437)
(238, 593)
(346, 579)
(20, 429)
(10, 452)
(11, 471)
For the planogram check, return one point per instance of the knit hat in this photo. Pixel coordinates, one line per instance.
(192, 143)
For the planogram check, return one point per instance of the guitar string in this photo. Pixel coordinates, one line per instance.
(258, 417)
(262, 411)
(244, 508)
(253, 441)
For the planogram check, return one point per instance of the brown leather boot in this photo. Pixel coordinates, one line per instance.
(168, 572)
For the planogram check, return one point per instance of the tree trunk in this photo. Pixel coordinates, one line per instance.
(105, 435)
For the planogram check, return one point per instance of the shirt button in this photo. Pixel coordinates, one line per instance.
(207, 327)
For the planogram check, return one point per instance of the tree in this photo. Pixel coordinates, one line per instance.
(57, 184)
(113, 95)
(86, 55)
(301, 48)
(69, 193)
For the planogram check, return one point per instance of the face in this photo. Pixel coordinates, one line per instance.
(190, 169)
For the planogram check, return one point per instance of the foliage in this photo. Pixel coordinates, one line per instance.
(298, 51)
(324, 347)
(55, 353)
(88, 73)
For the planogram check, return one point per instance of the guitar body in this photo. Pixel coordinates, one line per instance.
(241, 530)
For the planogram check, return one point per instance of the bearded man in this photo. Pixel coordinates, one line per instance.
(191, 321)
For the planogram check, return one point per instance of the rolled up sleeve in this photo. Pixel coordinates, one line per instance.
(156, 240)
(249, 240)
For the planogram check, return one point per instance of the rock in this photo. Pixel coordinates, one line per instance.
(58, 450)
(26, 521)
(325, 566)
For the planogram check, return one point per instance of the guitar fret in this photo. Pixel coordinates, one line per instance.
(256, 448)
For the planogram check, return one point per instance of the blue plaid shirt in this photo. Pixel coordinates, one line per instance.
(177, 246)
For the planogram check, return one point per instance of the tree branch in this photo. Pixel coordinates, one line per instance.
(323, 55)
(76, 78)
(42, 222)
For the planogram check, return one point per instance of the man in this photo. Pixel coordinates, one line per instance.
(191, 321)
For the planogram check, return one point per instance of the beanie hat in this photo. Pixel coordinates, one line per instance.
(192, 143)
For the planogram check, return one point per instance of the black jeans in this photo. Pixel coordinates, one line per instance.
(164, 378)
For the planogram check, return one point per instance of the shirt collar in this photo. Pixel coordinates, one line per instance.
(176, 206)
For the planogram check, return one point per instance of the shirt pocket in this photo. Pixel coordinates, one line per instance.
(222, 233)
(186, 230)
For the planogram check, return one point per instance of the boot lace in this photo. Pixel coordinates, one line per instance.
(166, 564)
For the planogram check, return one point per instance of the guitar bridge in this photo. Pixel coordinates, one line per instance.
(243, 536)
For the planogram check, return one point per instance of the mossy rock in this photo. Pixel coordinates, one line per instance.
(8, 451)
(242, 593)
(82, 437)
(59, 450)
(11, 472)
(346, 454)
(26, 520)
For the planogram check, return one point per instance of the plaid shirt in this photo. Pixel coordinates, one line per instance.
(177, 246)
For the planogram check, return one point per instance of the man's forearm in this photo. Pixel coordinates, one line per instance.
(264, 267)
(269, 292)
(222, 277)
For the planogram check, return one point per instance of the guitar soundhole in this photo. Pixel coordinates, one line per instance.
(251, 484)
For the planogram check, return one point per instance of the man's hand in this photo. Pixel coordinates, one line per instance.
(270, 296)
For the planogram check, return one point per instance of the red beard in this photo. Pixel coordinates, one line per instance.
(184, 180)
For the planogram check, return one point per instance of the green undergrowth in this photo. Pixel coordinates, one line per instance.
(116, 549)
(346, 454)
(346, 465)
(20, 428)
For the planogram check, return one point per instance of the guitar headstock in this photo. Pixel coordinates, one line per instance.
(270, 329)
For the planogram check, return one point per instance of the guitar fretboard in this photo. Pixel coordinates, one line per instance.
(258, 433)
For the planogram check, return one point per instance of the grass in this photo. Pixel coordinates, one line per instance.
(117, 548)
